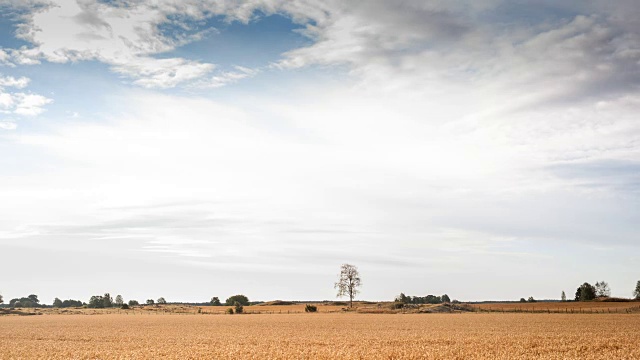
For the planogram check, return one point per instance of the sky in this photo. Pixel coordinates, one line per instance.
(487, 149)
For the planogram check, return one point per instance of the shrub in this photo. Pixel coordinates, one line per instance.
(243, 300)
(238, 307)
(310, 308)
(397, 305)
(230, 311)
(124, 307)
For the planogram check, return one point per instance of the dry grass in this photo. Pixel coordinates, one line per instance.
(322, 336)
(564, 307)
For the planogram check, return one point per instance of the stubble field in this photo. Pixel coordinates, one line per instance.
(322, 336)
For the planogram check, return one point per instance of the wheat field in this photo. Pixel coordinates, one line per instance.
(322, 336)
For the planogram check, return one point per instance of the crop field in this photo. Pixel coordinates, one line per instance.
(564, 307)
(322, 336)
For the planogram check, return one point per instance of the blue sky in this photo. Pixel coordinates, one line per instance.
(189, 149)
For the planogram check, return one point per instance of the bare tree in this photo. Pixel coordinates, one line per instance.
(602, 289)
(348, 282)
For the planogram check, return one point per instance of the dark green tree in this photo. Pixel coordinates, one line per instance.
(150, 302)
(243, 300)
(96, 302)
(108, 300)
(445, 298)
(585, 292)
(57, 303)
(215, 301)
(161, 300)
(133, 303)
(636, 292)
(119, 300)
(531, 299)
(403, 298)
(563, 297)
(1, 300)
(523, 300)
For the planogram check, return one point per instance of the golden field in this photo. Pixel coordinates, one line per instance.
(322, 336)
(564, 307)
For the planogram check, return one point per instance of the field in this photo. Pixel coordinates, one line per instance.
(564, 307)
(322, 336)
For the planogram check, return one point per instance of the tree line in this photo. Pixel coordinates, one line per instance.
(348, 284)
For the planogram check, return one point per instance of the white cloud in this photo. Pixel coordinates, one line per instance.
(30, 104)
(19, 103)
(11, 81)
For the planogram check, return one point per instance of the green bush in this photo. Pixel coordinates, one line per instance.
(310, 308)
(230, 311)
(243, 300)
(238, 307)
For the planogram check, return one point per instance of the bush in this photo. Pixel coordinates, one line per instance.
(238, 307)
(230, 311)
(397, 305)
(243, 300)
(124, 307)
(310, 308)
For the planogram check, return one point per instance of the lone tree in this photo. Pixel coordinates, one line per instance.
(243, 300)
(564, 296)
(602, 289)
(119, 300)
(348, 282)
(161, 301)
(215, 301)
(585, 292)
(636, 292)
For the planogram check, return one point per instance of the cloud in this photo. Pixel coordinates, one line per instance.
(19, 103)
(10, 81)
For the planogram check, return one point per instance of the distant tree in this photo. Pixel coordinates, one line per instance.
(403, 298)
(150, 302)
(108, 300)
(585, 292)
(602, 289)
(119, 301)
(243, 300)
(563, 297)
(25, 302)
(1, 300)
(531, 299)
(310, 308)
(348, 282)
(523, 300)
(124, 307)
(71, 303)
(445, 298)
(636, 292)
(238, 307)
(161, 300)
(215, 301)
(96, 302)
(133, 303)
(57, 303)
